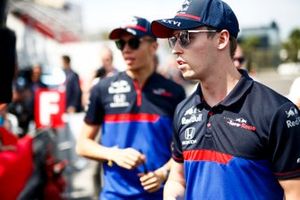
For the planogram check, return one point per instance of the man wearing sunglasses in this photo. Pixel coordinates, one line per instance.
(234, 137)
(135, 110)
(238, 58)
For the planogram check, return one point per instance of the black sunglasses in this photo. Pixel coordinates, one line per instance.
(183, 37)
(239, 59)
(133, 43)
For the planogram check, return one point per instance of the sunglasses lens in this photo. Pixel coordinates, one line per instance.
(172, 41)
(239, 59)
(120, 44)
(134, 43)
(184, 39)
(242, 60)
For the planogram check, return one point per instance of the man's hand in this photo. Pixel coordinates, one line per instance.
(128, 158)
(152, 181)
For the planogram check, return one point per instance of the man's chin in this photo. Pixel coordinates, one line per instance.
(187, 76)
(132, 67)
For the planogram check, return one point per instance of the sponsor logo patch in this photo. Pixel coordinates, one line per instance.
(119, 87)
(191, 115)
(189, 135)
(172, 22)
(119, 100)
(162, 92)
(291, 112)
(240, 123)
(293, 118)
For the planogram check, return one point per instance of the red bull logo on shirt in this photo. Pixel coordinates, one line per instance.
(293, 117)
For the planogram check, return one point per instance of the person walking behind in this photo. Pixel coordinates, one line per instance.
(234, 137)
(239, 58)
(134, 108)
(73, 90)
(107, 68)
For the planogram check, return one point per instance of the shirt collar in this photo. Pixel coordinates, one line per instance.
(234, 96)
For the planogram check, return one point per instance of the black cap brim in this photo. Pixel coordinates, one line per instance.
(117, 33)
(164, 28)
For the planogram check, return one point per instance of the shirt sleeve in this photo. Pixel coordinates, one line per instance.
(176, 144)
(284, 142)
(95, 112)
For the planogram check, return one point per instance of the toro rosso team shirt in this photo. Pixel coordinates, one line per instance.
(239, 148)
(135, 117)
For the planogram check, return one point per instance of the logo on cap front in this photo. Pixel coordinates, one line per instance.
(130, 22)
(185, 6)
(183, 12)
(172, 22)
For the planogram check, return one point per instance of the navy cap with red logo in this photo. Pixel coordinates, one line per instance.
(136, 26)
(197, 13)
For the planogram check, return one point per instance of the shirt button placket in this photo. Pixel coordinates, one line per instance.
(208, 125)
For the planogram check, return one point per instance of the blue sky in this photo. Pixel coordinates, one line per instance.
(100, 14)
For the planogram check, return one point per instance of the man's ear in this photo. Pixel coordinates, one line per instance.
(155, 46)
(223, 39)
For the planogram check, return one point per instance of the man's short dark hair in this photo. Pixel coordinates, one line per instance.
(66, 58)
(232, 41)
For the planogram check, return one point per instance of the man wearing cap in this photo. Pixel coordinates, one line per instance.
(234, 138)
(135, 110)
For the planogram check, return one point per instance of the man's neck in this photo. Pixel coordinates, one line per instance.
(218, 87)
(141, 75)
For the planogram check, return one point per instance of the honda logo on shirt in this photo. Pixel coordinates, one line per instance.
(189, 133)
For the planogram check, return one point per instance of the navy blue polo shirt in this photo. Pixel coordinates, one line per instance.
(135, 117)
(239, 148)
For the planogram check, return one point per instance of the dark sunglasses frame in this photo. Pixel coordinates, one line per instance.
(240, 59)
(133, 43)
(183, 37)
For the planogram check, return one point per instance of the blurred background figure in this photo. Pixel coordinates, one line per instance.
(294, 93)
(156, 62)
(36, 74)
(9, 121)
(35, 83)
(73, 90)
(107, 68)
(28, 81)
(238, 58)
(240, 62)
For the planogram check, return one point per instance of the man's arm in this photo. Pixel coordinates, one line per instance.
(175, 185)
(291, 188)
(86, 146)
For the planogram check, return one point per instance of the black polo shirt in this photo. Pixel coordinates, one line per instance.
(238, 148)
